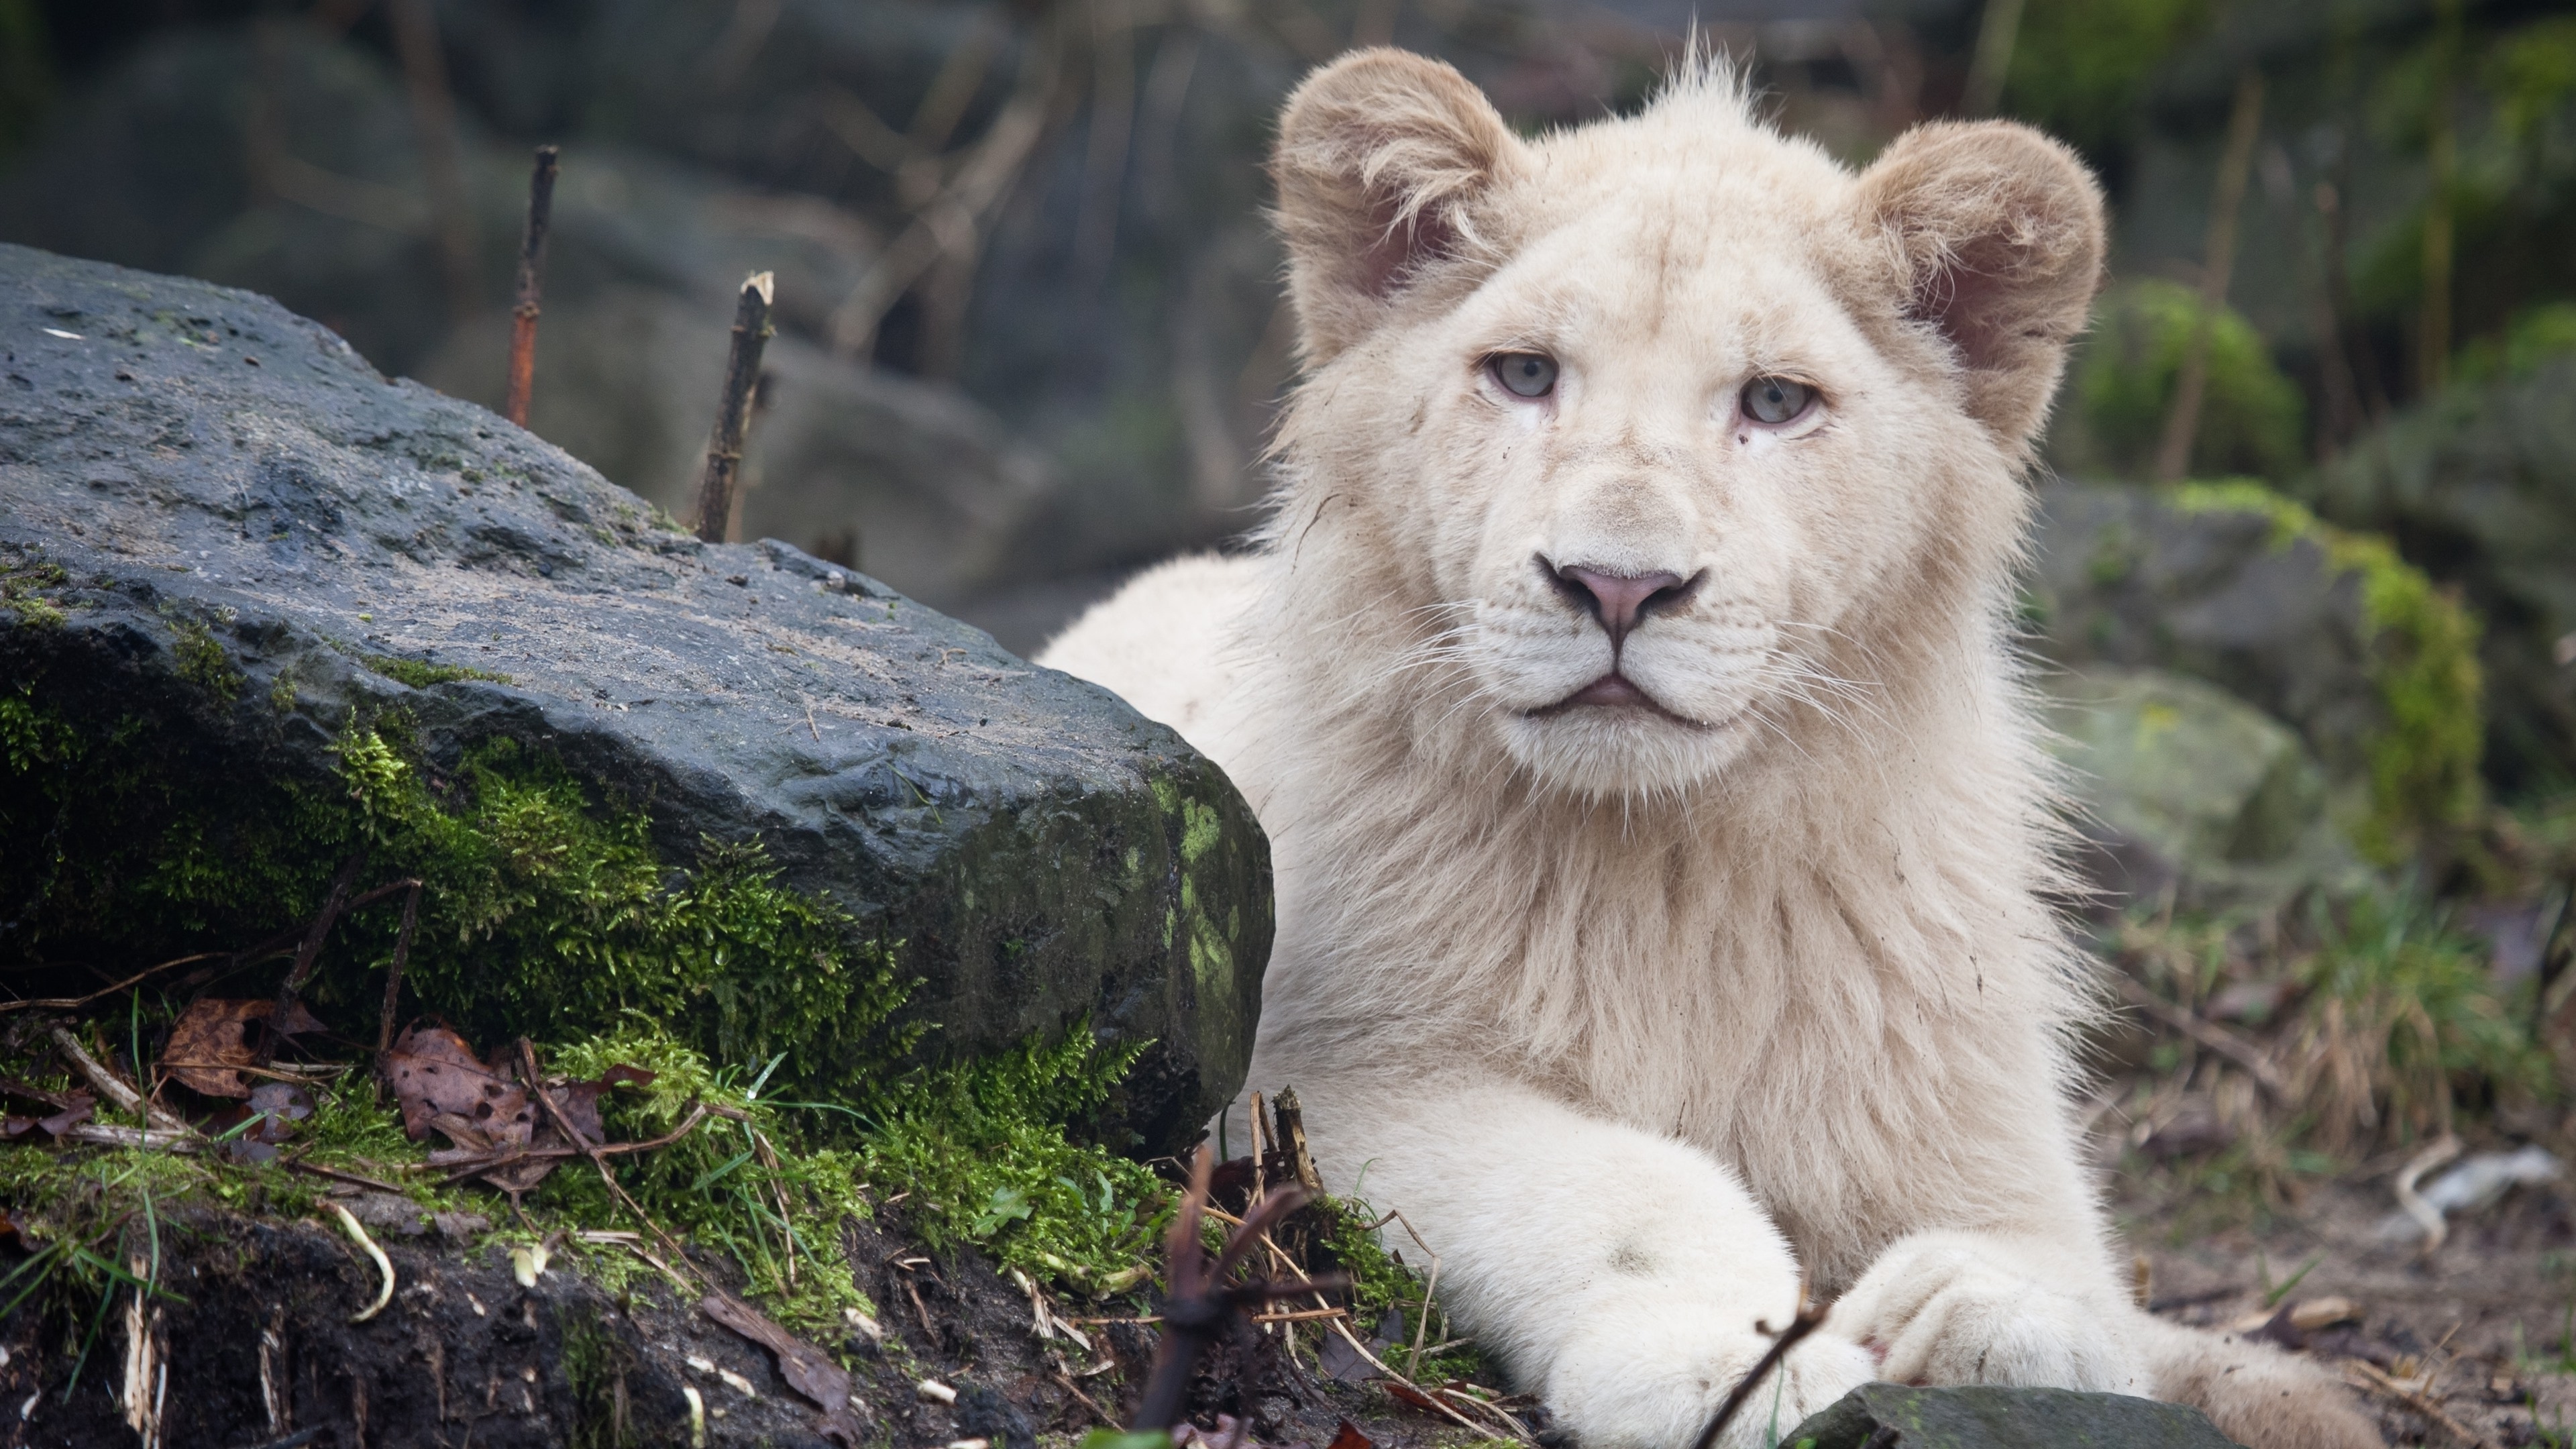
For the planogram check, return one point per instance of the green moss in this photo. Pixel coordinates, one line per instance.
(979, 1150)
(2536, 335)
(421, 674)
(1352, 1243)
(1200, 832)
(2251, 414)
(202, 661)
(21, 591)
(547, 912)
(762, 1187)
(2423, 666)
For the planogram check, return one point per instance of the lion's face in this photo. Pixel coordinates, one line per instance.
(1646, 427)
(1661, 466)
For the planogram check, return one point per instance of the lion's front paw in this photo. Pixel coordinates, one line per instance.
(1616, 1392)
(1946, 1309)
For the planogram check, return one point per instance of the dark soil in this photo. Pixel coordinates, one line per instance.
(260, 1350)
(2478, 1328)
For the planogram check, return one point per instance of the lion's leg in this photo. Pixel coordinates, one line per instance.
(2253, 1392)
(1618, 1273)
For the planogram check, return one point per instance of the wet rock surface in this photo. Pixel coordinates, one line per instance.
(256, 531)
(1891, 1416)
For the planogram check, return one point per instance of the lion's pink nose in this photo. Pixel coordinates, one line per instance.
(1619, 601)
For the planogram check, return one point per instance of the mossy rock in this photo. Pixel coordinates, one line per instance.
(2478, 487)
(264, 606)
(2328, 631)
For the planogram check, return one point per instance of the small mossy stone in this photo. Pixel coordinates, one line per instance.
(1982, 1416)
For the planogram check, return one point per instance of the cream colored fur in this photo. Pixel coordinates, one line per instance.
(1642, 1014)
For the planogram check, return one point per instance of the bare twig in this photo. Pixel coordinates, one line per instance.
(947, 223)
(309, 955)
(1288, 1119)
(433, 114)
(1200, 1303)
(2182, 421)
(1997, 28)
(1065, 1381)
(2375, 1378)
(74, 1003)
(2211, 1035)
(157, 1139)
(394, 973)
(113, 1087)
(1104, 170)
(1807, 1320)
(733, 410)
(532, 261)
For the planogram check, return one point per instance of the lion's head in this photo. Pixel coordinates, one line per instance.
(1661, 429)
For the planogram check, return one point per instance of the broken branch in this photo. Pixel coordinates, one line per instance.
(2211, 1035)
(113, 1087)
(394, 974)
(75, 1003)
(733, 410)
(309, 955)
(523, 312)
(1808, 1319)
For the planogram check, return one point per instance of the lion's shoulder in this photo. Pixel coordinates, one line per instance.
(1170, 643)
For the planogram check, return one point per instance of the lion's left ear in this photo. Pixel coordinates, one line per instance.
(1997, 234)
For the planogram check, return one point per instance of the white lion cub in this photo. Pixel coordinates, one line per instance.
(1624, 681)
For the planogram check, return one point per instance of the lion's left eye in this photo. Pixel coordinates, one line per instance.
(1776, 400)
(1525, 374)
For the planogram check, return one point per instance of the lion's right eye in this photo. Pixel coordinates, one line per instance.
(1525, 374)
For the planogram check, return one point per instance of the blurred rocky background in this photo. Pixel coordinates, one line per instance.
(2305, 595)
(2303, 601)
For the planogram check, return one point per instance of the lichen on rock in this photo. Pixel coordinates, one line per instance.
(2326, 630)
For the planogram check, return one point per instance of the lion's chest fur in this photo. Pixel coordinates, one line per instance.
(1864, 1030)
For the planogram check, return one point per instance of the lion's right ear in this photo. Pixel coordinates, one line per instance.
(1383, 160)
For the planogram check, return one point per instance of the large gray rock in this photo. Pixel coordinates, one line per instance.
(1891, 1416)
(215, 517)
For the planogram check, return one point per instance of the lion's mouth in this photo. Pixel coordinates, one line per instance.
(1615, 691)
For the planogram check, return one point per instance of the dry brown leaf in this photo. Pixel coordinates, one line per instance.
(215, 1035)
(436, 1073)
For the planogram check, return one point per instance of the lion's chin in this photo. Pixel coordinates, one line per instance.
(1625, 749)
